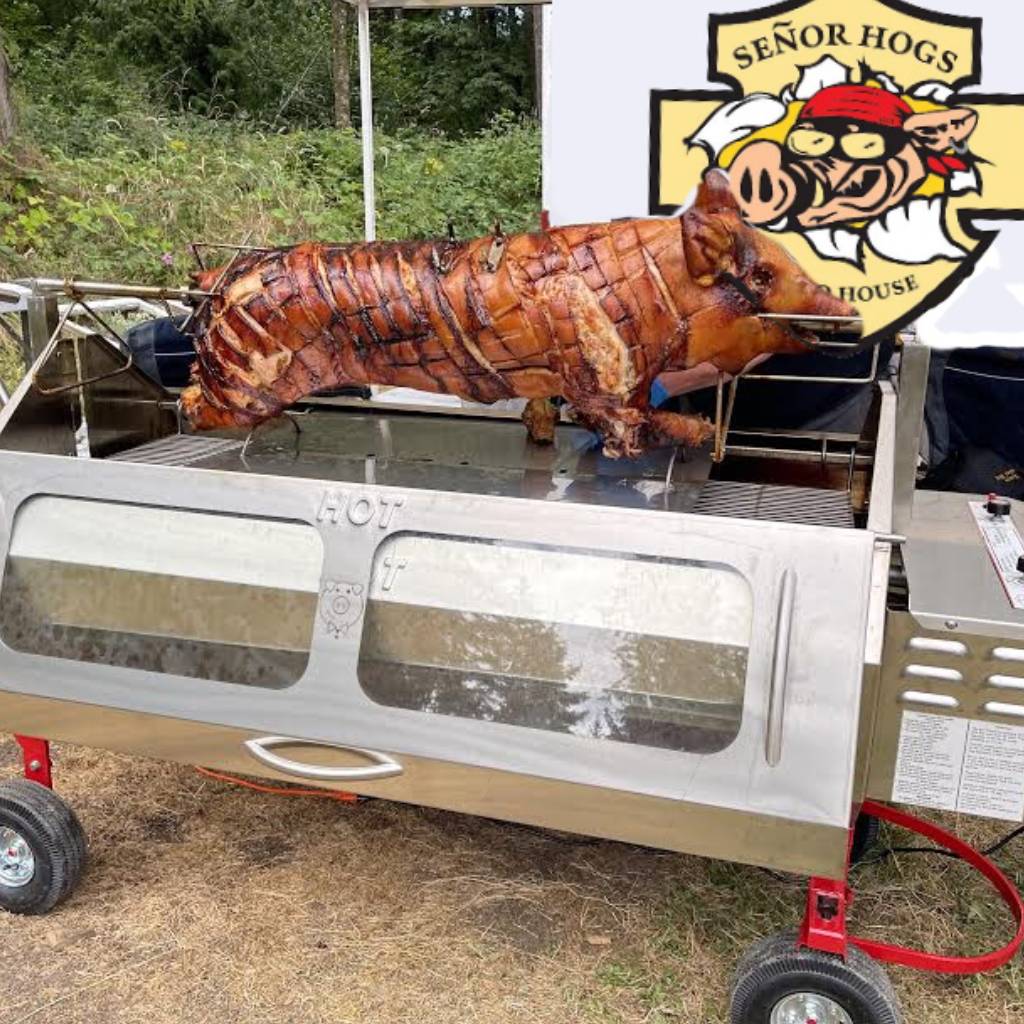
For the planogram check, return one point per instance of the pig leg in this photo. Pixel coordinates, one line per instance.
(540, 417)
(628, 431)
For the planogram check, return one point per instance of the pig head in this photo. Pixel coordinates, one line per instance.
(744, 272)
(854, 152)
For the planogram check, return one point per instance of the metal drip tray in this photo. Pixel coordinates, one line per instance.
(774, 503)
(492, 457)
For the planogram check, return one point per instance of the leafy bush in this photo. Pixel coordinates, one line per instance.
(268, 61)
(123, 202)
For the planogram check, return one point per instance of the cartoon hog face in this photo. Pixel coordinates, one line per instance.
(854, 152)
(341, 606)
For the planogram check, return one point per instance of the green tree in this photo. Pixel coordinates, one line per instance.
(341, 56)
(279, 64)
(452, 70)
(8, 120)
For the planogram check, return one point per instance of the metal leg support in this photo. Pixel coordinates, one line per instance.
(36, 756)
(824, 925)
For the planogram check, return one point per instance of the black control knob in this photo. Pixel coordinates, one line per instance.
(1020, 564)
(997, 506)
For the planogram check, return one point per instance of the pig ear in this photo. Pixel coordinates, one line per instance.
(937, 130)
(709, 245)
(715, 194)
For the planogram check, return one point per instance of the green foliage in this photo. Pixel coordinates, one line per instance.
(266, 61)
(452, 70)
(146, 124)
(126, 202)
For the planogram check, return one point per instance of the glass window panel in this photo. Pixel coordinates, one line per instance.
(219, 597)
(630, 649)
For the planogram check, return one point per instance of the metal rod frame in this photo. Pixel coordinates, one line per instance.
(55, 338)
(75, 288)
(824, 924)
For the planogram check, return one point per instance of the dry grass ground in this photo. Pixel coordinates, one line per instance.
(207, 903)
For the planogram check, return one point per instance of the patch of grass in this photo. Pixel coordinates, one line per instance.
(212, 904)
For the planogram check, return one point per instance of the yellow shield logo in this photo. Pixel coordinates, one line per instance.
(847, 130)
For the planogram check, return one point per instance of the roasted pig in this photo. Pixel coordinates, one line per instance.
(591, 313)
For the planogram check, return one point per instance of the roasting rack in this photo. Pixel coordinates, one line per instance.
(845, 337)
(76, 291)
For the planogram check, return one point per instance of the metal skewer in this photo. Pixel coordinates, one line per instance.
(76, 289)
(850, 327)
(815, 323)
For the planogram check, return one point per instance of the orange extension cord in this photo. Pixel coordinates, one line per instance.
(329, 794)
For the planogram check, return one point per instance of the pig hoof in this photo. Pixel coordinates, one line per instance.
(540, 417)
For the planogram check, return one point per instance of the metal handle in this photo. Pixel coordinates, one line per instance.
(780, 669)
(383, 767)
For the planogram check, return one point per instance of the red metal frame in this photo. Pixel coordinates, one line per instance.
(824, 925)
(35, 755)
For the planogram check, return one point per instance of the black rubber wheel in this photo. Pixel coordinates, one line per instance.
(779, 983)
(865, 835)
(42, 848)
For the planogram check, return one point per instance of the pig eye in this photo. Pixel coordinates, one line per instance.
(761, 277)
(810, 142)
(863, 145)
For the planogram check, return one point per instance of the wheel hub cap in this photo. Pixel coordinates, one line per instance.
(809, 1008)
(17, 862)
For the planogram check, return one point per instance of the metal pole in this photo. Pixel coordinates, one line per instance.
(915, 358)
(39, 322)
(366, 105)
(544, 13)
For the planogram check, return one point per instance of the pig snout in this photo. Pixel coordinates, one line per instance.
(815, 301)
(818, 301)
(767, 188)
(807, 298)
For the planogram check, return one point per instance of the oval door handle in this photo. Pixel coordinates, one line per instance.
(383, 767)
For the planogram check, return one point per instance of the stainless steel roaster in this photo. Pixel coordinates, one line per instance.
(724, 659)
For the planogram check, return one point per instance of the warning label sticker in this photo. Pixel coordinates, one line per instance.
(951, 764)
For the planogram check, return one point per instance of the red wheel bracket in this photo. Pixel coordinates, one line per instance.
(35, 754)
(828, 932)
(824, 926)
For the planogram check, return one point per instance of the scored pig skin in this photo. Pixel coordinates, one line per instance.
(592, 313)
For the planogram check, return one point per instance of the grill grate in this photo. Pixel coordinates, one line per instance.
(179, 450)
(774, 503)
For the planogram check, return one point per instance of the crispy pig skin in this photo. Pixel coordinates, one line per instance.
(592, 313)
